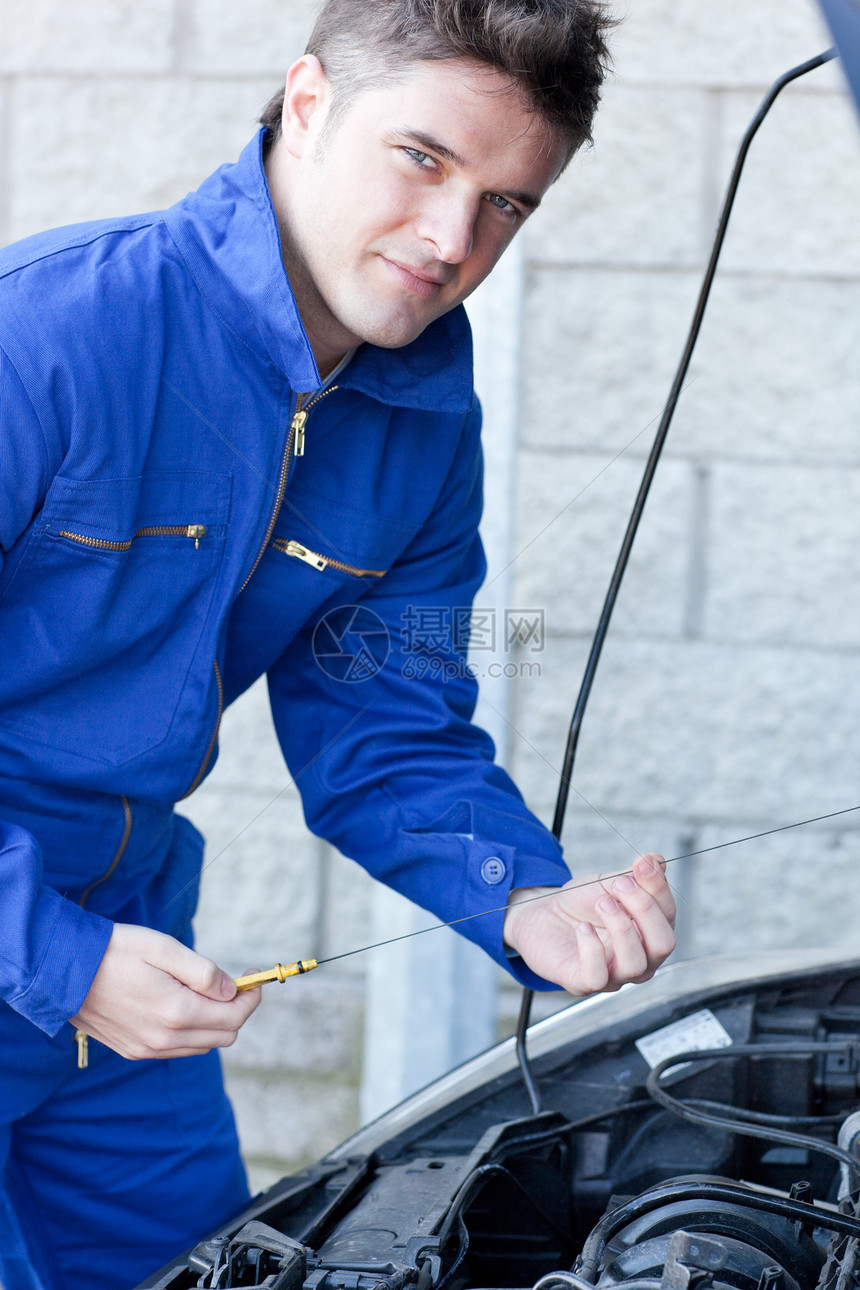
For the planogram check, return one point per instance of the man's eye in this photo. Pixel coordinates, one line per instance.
(420, 158)
(502, 204)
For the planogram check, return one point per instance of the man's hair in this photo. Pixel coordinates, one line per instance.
(553, 50)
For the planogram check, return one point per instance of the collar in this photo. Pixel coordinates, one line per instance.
(227, 233)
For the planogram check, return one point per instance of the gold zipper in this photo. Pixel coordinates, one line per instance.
(297, 429)
(119, 854)
(295, 437)
(300, 418)
(196, 531)
(212, 742)
(317, 561)
(82, 1040)
(81, 1037)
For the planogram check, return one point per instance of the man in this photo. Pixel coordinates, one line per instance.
(203, 457)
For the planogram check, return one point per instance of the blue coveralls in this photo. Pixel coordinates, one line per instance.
(152, 509)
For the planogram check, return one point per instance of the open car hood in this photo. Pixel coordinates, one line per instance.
(461, 1186)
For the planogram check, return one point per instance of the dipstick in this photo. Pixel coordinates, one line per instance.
(279, 972)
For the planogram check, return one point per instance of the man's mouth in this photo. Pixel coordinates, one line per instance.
(421, 282)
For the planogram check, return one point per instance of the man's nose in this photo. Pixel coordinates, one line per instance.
(448, 222)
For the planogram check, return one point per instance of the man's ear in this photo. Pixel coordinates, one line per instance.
(306, 98)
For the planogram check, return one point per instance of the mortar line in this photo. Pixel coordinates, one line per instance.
(181, 37)
(697, 562)
(713, 179)
(322, 919)
(8, 106)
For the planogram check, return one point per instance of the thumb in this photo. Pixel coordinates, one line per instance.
(197, 972)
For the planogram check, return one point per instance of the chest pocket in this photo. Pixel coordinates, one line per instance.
(343, 541)
(107, 612)
(320, 554)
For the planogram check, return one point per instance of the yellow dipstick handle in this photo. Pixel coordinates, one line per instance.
(278, 973)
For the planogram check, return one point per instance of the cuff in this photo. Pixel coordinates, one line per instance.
(67, 944)
(494, 871)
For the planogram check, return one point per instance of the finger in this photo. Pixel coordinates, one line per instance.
(195, 1045)
(653, 927)
(247, 1002)
(256, 991)
(183, 1017)
(592, 975)
(243, 1005)
(200, 974)
(189, 1021)
(629, 957)
(230, 1014)
(649, 872)
(201, 1041)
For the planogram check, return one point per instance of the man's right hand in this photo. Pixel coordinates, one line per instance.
(153, 997)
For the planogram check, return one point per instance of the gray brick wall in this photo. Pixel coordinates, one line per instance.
(727, 700)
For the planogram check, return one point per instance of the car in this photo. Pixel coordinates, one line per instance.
(698, 1130)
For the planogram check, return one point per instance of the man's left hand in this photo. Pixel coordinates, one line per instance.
(595, 933)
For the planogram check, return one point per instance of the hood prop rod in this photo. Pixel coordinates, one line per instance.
(639, 507)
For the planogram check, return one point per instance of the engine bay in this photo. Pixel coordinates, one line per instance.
(732, 1166)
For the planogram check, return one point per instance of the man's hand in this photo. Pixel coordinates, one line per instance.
(594, 937)
(153, 997)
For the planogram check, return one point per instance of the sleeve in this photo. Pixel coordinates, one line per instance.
(374, 717)
(50, 949)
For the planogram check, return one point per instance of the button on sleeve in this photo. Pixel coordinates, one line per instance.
(493, 871)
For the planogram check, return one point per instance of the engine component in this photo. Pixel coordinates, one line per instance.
(258, 1257)
(752, 1243)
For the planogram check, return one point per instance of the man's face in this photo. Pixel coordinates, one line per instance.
(400, 210)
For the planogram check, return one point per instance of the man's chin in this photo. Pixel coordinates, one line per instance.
(397, 334)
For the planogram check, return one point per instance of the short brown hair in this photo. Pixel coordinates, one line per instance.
(554, 50)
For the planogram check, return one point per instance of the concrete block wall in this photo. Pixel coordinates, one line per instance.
(726, 703)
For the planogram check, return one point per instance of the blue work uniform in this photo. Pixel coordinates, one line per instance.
(163, 545)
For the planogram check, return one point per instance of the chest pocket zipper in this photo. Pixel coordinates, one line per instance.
(321, 562)
(195, 531)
